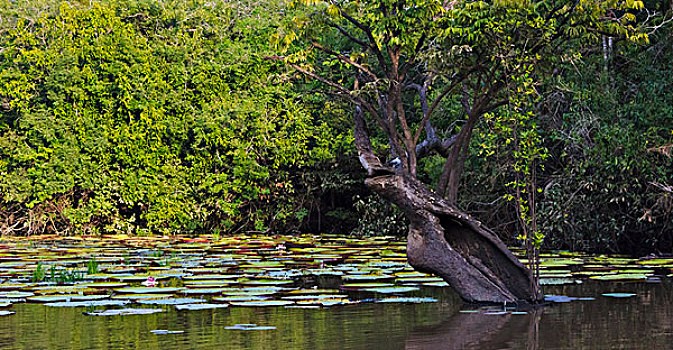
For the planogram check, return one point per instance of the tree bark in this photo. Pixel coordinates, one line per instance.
(447, 242)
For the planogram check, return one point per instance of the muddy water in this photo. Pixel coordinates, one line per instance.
(641, 322)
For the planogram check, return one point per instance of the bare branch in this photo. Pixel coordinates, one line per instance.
(351, 37)
(373, 45)
(436, 102)
(494, 106)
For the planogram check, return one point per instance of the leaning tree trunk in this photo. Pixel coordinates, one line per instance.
(447, 242)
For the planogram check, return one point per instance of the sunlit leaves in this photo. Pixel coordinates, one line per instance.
(132, 116)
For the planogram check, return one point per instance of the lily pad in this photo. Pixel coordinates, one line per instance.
(367, 277)
(314, 297)
(441, 284)
(89, 303)
(408, 300)
(204, 291)
(265, 282)
(164, 331)
(326, 302)
(262, 303)
(559, 298)
(618, 295)
(391, 290)
(13, 286)
(250, 327)
(204, 306)
(418, 280)
(558, 281)
(15, 295)
(621, 277)
(656, 262)
(65, 297)
(314, 291)
(147, 290)
(123, 312)
(105, 285)
(170, 301)
(239, 298)
(140, 296)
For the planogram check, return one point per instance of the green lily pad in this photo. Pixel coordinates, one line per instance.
(386, 290)
(655, 262)
(418, 280)
(123, 312)
(204, 291)
(367, 278)
(105, 285)
(170, 301)
(15, 295)
(262, 303)
(314, 291)
(325, 302)
(89, 303)
(558, 281)
(613, 261)
(248, 292)
(164, 331)
(140, 296)
(147, 290)
(407, 300)
(618, 295)
(65, 297)
(203, 306)
(219, 278)
(239, 298)
(13, 286)
(264, 282)
(561, 262)
(314, 297)
(621, 277)
(441, 284)
(250, 327)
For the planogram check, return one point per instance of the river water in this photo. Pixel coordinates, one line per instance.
(644, 321)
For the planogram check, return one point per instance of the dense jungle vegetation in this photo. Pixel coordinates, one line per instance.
(165, 116)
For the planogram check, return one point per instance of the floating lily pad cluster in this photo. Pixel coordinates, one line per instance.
(114, 275)
(575, 268)
(199, 274)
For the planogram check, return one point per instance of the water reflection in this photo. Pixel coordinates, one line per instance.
(479, 331)
(639, 322)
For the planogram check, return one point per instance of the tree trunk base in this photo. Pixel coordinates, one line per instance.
(448, 243)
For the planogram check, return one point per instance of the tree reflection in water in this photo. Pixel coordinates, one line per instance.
(479, 331)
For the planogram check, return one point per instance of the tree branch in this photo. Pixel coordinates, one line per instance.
(373, 45)
(345, 59)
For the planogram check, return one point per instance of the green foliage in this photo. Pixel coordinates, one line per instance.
(39, 273)
(376, 217)
(92, 266)
(604, 118)
(68, 276)
(611, 187)
(149, 117)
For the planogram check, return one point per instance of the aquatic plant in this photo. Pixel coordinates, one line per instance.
(92, 266)
(39, 273)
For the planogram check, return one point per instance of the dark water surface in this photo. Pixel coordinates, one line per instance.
(641, 322)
